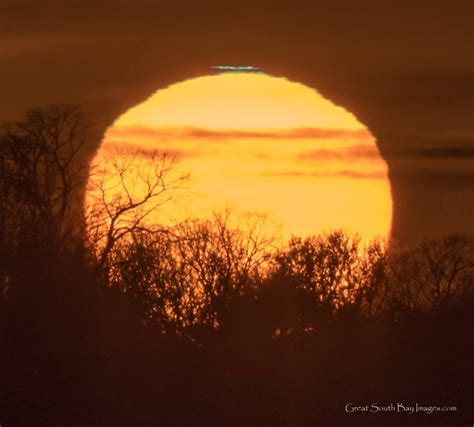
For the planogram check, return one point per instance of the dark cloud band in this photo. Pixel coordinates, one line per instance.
(195, 132)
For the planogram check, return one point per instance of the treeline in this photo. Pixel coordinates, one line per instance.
(110, 317)
(206, 276)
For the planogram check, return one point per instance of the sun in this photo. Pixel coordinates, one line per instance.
(258, 143)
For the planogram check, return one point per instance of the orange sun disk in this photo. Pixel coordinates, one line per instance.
(254, 142)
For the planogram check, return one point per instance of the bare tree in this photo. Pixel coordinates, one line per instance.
(125, 193)
(41, 172)
(224, 259)
(186, 281)
(325, 266)
(435, 272)
(374, 290)
(315, 280)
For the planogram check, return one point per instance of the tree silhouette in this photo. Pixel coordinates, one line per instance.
(125, 193)
(435, 272)
(41, 171)
(189, 278)
(223, 260)
(320, 275)
(208, 313)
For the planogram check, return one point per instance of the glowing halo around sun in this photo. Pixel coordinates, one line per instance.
(259, 143)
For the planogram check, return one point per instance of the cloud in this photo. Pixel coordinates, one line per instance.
(20, 45)
(455, 146)
(123, 147)
(445, 152)
(335, 174)
(195, 132)
(360, 151)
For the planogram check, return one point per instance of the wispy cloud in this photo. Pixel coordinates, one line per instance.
(443, 144)
(465, 134)
(196, 132)
(443, 152)
(360, 151)
(336, 174)
(20, 45)
(118, 146)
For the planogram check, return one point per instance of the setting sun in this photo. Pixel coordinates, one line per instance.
(252, 142)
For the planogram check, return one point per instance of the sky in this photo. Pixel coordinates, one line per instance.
(404, 69)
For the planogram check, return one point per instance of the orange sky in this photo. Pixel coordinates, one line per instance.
(258, 143)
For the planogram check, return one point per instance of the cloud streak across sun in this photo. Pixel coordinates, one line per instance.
(194, 132)
(261, 143)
